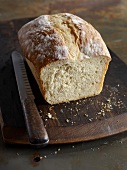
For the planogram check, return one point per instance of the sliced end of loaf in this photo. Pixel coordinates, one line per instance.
(69, 80)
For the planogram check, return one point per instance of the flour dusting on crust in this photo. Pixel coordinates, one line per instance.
(40, 38)
(45, 39)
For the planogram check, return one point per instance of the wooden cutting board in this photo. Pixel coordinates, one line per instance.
(83, 120)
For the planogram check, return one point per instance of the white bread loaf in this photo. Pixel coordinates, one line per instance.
(66, 55)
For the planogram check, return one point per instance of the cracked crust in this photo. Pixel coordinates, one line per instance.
(61, 36)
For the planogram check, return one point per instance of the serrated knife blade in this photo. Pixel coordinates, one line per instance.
(35, 127)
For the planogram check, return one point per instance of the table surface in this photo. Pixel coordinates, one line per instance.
(110, 19)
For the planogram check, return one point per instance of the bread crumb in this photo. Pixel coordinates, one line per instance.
(49, 115)
(61, 110)
(58, 149)
(99, 113)
(86, 115)
(67, 120)
(51, 108)
(108, 100)
(75, 115)
(103, 114)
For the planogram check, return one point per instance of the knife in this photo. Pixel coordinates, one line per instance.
(35, 127)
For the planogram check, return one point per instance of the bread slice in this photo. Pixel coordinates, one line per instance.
(66, 55)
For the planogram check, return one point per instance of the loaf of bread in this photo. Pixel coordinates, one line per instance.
(66, 55)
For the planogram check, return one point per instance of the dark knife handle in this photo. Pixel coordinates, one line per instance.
(35, 126)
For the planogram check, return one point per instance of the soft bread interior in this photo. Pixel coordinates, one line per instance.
(69, 80)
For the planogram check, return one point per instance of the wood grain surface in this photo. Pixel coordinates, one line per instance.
(82, 120)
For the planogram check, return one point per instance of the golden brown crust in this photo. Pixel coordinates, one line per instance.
(45, 40)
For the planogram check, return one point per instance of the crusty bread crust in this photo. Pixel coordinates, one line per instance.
(43, 43)
(51, 38)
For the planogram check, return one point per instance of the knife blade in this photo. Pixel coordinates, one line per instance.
(35, 127)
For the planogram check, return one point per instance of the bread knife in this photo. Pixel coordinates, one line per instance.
(35, 127)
